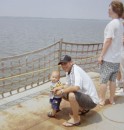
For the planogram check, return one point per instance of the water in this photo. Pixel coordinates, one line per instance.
(22, 35)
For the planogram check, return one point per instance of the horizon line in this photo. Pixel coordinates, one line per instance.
(53, 17)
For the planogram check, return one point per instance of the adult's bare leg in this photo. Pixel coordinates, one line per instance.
(112, 88)
(103, 89)
(75, 118)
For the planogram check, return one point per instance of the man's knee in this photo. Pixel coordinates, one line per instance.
(71, 96)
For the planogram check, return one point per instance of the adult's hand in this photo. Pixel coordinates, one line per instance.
(58, 93)
(56, 89)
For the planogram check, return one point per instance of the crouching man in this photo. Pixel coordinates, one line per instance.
(80, 91)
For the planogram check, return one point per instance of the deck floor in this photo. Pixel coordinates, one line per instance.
(30, 113)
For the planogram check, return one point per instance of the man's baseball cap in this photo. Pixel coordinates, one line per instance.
(64, 59)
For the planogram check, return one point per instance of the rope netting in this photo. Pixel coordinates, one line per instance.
(34, 68)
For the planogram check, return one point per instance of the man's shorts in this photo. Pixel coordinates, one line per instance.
(55, 103)
(83, 100)
(108, 72)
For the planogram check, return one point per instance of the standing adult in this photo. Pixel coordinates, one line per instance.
(110, 54)
(120, 76)
(79, 91)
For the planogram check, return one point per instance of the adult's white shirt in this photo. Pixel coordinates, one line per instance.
(114, 30)
(78, 77)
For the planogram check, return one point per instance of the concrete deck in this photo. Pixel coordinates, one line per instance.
(30, 113)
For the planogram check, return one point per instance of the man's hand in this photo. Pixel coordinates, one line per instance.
(56, 89)
(58, 93)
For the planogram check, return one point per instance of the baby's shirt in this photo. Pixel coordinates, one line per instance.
(54, 85)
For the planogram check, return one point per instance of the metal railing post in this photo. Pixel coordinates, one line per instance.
(60, 52)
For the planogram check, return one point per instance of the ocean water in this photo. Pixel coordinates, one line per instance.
(20, 35)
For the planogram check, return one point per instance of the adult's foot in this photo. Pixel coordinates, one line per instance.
(111, 101)
(83, 112)
(102, 102)
(71, 123)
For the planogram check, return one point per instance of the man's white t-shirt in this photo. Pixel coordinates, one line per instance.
(114, 30)
(78, 77)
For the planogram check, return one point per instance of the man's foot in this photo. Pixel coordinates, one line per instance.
(71, 123)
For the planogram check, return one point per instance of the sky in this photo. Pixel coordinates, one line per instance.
(76, 9)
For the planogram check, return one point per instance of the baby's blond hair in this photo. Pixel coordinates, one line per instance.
(56, 72)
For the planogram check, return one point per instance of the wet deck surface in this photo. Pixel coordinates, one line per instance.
(31, 114)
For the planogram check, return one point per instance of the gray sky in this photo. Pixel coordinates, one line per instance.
(82, 9)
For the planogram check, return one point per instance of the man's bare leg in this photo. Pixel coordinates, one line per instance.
(75, 118)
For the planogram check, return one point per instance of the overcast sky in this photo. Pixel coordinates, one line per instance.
(79, 9)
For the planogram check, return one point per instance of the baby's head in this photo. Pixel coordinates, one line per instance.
(55, 76)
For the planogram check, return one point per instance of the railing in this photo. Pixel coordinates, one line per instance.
(29, 70)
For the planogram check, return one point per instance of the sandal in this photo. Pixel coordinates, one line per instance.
(69, 124)
(58, 110)
(101, 103)
(111, 102)
(51, 115)
(83, 112)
